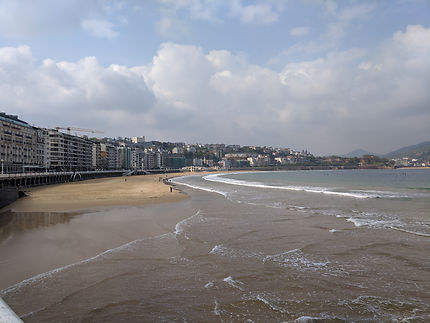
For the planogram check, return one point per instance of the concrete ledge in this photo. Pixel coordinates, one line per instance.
(8, 195)
(7, 315)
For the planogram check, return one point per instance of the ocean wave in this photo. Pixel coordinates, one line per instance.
(179, 230)
(217, 311)
(268, 300)
(374, 223)
(295, 258)
(207, 189)
(309, 319)
(377, 220)
(422, 234)
(379, 307)
(181, 226)
(234, 253)
(51, 273)
(359, 194)
(233, 283)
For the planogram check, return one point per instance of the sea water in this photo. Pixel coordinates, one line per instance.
(297, 246)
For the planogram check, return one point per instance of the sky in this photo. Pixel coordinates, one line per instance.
(322, 75)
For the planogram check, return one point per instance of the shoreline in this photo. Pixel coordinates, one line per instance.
(98, 193)
(59, 225)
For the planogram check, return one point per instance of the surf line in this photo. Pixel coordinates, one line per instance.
(411, 232)
(308, 189)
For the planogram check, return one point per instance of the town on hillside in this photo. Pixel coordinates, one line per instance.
(26, 148)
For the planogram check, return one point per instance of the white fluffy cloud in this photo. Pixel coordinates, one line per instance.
(376, 101)
(68, 93)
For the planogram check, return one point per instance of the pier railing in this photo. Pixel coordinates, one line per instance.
(29, 179)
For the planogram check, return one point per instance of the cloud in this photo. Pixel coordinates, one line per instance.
(28, 19)
(70, 93)
(353, 98)
(99, 28)
(258, 12)
(299, 31)
(359, 11)
(206, 10)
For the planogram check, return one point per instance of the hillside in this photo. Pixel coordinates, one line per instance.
(421, 150)
(356, 153)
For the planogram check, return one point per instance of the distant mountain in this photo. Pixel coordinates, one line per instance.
(357, 153)
(421, 150)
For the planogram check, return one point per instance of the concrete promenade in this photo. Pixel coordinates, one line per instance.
(22, 180)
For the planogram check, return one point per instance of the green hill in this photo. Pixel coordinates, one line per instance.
(421, 150)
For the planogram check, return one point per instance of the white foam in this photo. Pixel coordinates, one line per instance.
(209, 284)
(377, 223)
(178, 260)
(307, 319)
(269, 303)
(207, 189)
(180, 226)
(308, 189)
(52, 272)
(411, 232)
(359, 194)
(296, 259)
(234, 283)
(216, 308)
(234, 253)
(334, 230)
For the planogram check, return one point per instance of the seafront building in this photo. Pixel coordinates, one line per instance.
(69, 153)
(26, 148)
(104, 156)
(22, 146)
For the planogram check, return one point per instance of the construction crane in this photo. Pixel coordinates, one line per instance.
(78, 129)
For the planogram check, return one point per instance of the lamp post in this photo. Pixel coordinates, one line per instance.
(2, 166)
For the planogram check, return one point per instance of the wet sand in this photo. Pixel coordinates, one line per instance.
(58, 225)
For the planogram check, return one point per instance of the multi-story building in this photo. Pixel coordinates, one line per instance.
(124, 158)
(69, 153)
(149, 160)
(138, 140)
(97, 159)
(111, 157)
(22, 146)
(104, 156)
(137, 158)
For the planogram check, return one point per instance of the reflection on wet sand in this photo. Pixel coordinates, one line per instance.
(11, 222)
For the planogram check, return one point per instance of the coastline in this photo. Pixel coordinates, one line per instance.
(251, 250)
(98, 193)
(62, 224)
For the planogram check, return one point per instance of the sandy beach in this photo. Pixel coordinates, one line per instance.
(131, 190)
(58, 225)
